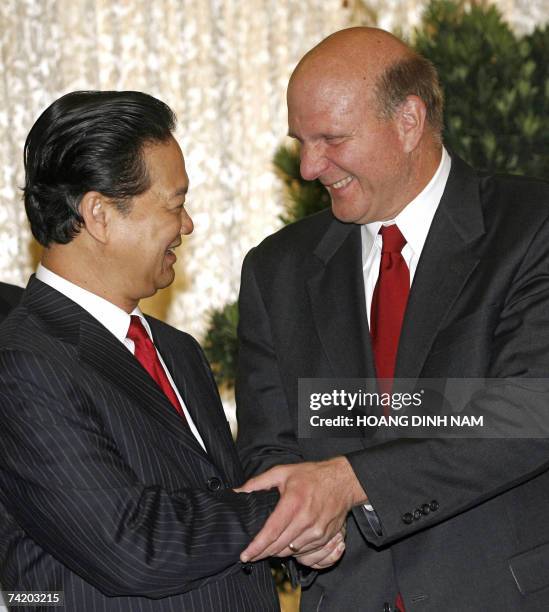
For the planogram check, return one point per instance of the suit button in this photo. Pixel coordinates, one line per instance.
(425, 509)
(417, 514)
(408, 518)
(214, 484)
(247, 568)
(434, 505)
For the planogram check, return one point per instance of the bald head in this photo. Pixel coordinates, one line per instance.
(379, 66)
(360, 54)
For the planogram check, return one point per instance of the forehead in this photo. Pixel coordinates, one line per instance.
(165, 163)
(324, 85)
(326, 100)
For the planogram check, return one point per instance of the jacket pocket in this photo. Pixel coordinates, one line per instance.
(530, 569)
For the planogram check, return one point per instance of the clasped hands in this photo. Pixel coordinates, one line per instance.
(309, 519)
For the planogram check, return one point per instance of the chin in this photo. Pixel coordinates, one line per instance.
(348, 215)
(165, 280)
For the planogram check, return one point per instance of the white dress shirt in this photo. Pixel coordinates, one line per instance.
(114, 319)
(413, 221)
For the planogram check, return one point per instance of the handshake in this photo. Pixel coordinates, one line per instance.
(309, 519)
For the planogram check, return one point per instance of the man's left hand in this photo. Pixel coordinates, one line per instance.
(315, 498)
(326, 556)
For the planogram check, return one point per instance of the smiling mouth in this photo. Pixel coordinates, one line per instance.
(342, 183)
(171, 250)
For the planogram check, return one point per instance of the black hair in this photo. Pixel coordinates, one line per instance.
(89, 141)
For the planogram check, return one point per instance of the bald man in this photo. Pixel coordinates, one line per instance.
(432, 524)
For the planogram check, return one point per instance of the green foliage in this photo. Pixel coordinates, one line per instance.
(221, 344)
(495, 85)
(539, 54)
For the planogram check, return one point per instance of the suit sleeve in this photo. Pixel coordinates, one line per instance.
(266, 431)
(64, 481)
(266, 435)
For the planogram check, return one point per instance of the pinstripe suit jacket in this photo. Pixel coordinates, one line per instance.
(104, 492)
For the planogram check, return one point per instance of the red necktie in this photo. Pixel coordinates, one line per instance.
(389, 301)
(388, 306)
(146, 354)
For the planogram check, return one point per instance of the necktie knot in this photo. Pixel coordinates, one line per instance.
(137, 331)
(393, 240)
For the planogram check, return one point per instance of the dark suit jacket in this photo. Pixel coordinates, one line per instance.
(106, 494)
(9, 298)
(478, 307)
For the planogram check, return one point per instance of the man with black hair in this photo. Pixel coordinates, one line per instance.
(117, 465)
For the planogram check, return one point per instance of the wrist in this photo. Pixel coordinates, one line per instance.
(357, 495)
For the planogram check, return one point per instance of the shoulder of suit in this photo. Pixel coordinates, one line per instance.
(513, 187)
(299, 237)
(516, 200)
(27, 346)
(9, 298)
(22, 330)
(10, 293)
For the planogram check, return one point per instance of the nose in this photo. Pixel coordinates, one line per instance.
(187, 225)
(312, 161)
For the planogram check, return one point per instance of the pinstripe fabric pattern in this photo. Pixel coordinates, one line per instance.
(105, 493)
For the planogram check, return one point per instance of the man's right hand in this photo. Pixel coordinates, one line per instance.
(315, 498)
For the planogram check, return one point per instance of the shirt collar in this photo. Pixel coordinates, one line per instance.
(415, 219)
(116, 320)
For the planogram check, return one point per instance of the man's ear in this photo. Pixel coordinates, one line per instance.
(94, 209)
(411, 116)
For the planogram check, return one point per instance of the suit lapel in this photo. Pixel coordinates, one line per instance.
(100, 350)
(336, 291)
(450, 255)
(200, 395)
